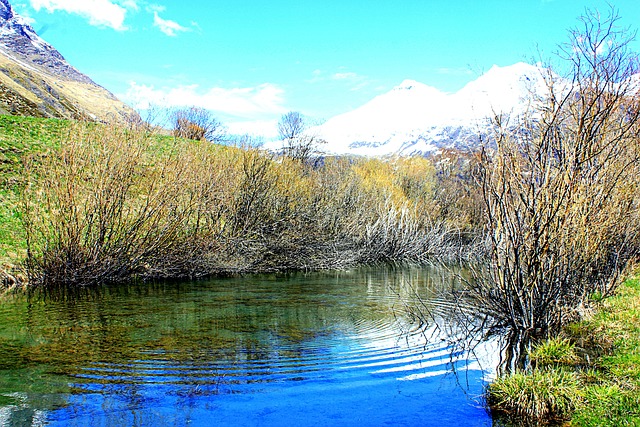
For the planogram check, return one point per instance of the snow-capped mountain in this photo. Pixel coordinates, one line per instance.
(414, 118)
(19, 38)
(36, 80)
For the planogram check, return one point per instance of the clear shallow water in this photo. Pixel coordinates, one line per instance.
(308, 350)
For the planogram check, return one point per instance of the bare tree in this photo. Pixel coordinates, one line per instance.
(560, 193)
(154, 119)
(298, 143)
(291, 125)
(198, 124)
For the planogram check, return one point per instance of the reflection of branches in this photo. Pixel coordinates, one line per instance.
(442, 315)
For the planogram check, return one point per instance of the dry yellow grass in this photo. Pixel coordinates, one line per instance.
(70, 99)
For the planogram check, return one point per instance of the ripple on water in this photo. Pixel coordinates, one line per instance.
(371, 352)
(260, 351)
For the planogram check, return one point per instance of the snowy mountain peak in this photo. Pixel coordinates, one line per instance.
(414, 88)
(409, 84)
(6, 12)
(497, 77)
(518, 77)
(517, 68)
(414, 118)
(19, 40)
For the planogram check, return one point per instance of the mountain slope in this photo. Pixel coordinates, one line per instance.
(36, 80)
(414, 118)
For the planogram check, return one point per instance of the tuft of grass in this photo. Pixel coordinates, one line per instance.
(552, 352)
(542, 394)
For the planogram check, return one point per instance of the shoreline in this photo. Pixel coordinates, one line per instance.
(588, 375)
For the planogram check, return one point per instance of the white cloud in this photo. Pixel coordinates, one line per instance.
(129, 4)
(170, 28)
(354, 81)
(255, 128)
(98, 12)
(152, 7)
(345, 76)
(247, 102)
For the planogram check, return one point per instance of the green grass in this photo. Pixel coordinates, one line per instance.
(590, 377)
(20, 137)
(545, 394)
(612, 394)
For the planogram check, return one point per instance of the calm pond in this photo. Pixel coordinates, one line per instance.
(330, 348)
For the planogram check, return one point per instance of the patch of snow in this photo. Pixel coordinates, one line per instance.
(414, 118)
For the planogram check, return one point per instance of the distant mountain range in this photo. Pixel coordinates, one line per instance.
(414, 118)
(36, 80)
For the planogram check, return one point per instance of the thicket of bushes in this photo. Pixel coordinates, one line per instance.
(111, 204)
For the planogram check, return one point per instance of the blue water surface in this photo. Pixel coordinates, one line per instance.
(316, 349)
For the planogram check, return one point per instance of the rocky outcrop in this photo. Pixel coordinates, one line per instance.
(34, 73)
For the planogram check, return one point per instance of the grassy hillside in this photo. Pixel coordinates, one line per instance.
(30, 90)
(20, 137)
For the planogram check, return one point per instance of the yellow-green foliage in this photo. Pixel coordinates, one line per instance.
(417, 177)
(377, 179)
(111, 203)
(404, 182)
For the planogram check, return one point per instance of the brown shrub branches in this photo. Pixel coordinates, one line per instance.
(113, 204)
(561, 193)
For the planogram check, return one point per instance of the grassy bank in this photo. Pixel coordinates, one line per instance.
(20, 137)
(86, 203)
(588, 376)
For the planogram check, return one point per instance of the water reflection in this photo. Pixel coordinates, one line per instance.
(326, 348)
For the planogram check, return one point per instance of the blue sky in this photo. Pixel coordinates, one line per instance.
(249, 61)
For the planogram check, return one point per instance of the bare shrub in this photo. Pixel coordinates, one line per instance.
(397, 235)
(560, 194)
(103, 208)
(457, 193)
(198, 124)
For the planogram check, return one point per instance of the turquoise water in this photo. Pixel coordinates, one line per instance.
(315, 349)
